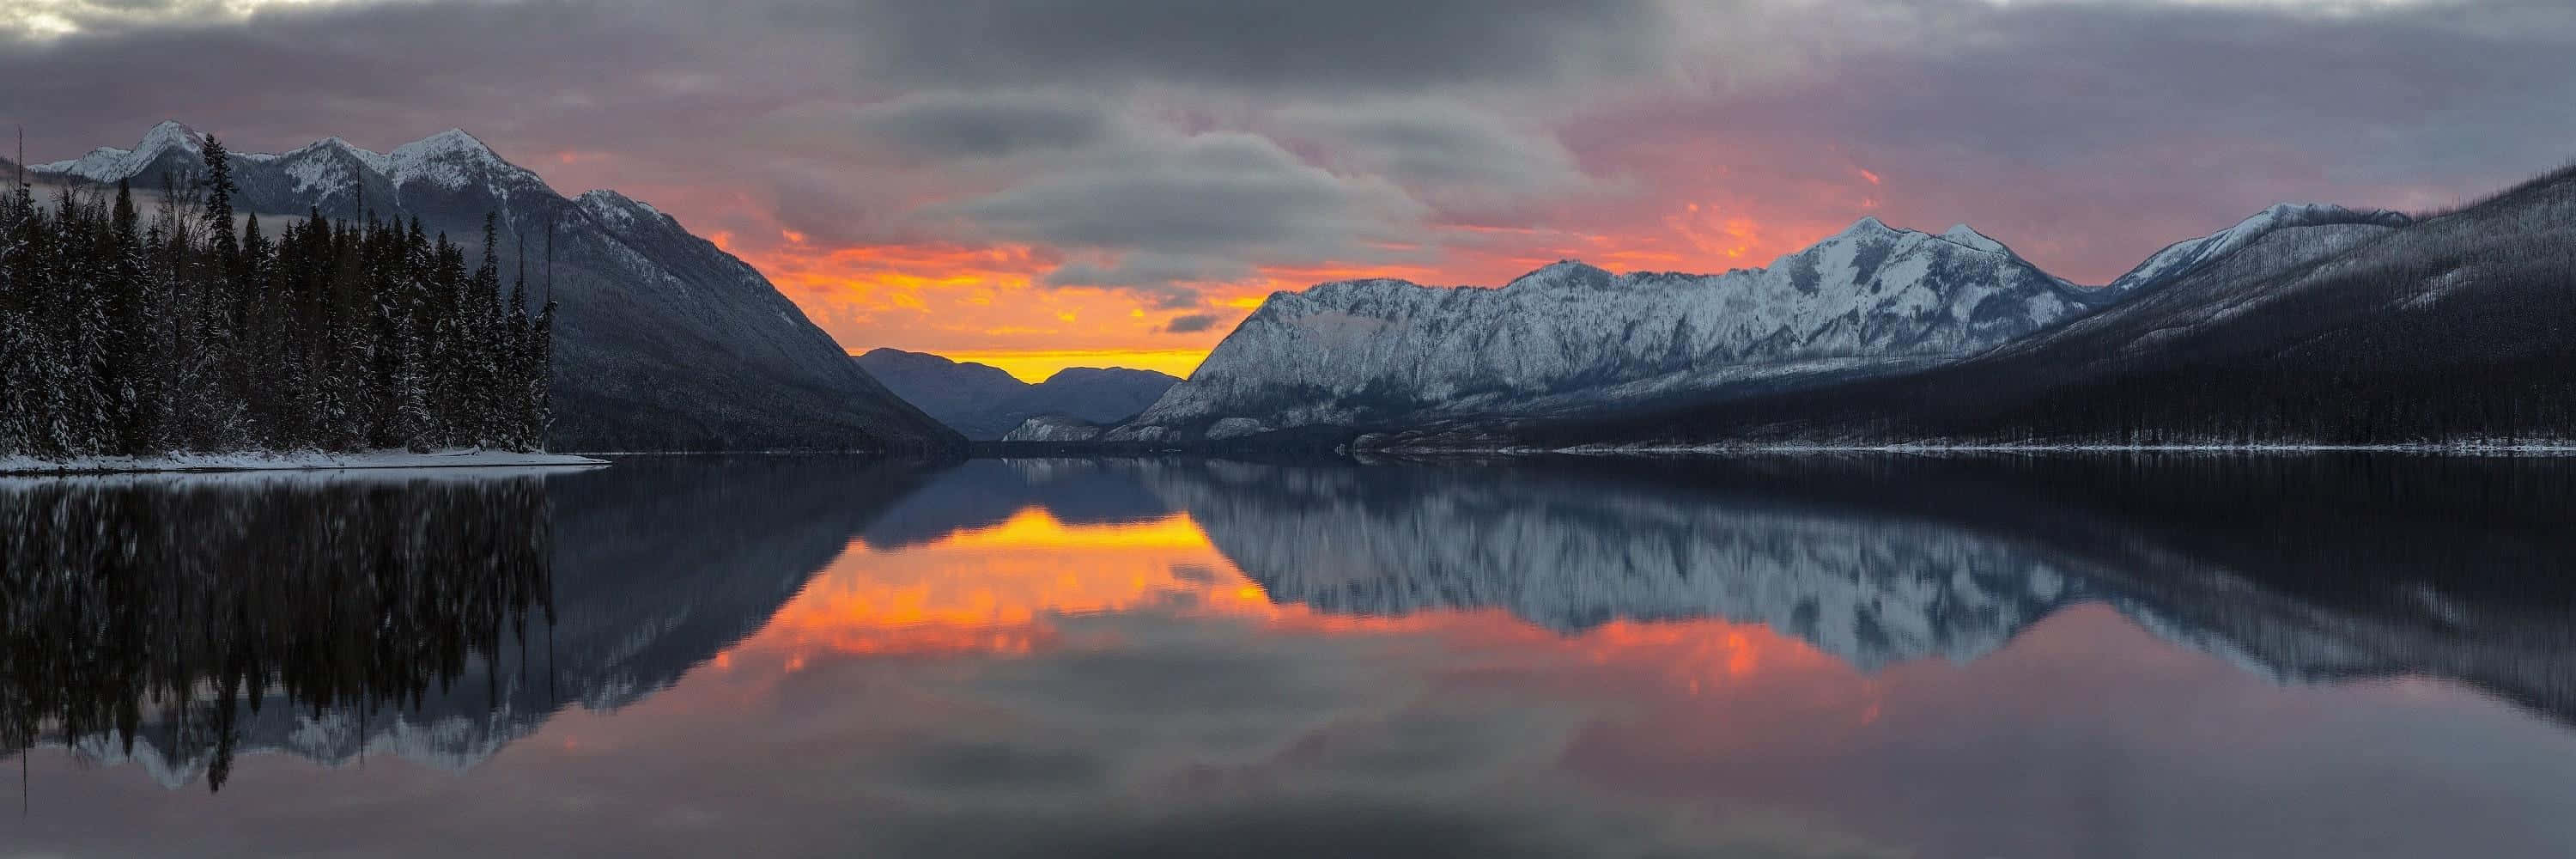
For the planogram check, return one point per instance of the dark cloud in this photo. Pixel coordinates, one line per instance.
(1269, 45)
(554, 74)
(987, 125)
(1216, 197)
(1166, 143)
(2413, 85)
(1164, 281)
(1192, 323)
(2089, 134)
(1463, 161)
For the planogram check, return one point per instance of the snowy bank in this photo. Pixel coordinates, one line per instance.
(292, 461)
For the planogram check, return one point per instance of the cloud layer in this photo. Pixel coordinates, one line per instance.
(994, 175)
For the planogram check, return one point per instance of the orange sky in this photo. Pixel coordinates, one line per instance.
(989, 304)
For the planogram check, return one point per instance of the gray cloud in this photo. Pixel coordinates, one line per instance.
(988, 125)
(1267, 45)
(1460, 159)
(2087, 135)
(1218, 197)
(1191, 323)
(1173, 141)
(1160, 279)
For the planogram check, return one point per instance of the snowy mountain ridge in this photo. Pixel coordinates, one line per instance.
(450, 159)
(2182, 257)
(1869, 300)
(108, 163)
(663, 340)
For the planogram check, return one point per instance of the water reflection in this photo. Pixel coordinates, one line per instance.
(165, 621)
(2299, 568)
(174, 622)
(1787, 657)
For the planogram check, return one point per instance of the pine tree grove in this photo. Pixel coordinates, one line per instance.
(185, 331)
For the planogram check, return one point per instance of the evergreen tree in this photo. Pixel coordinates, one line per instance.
(119, 337)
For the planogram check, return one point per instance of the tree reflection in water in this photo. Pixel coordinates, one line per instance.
(172, 611)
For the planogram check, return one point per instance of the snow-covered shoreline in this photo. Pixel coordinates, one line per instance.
(304, 460)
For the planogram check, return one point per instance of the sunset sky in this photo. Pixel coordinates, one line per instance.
(1043, 184)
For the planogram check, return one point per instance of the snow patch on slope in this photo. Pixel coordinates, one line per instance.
(2182, 257)
(449, 159)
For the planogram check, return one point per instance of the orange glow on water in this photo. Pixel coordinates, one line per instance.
(1003, 589)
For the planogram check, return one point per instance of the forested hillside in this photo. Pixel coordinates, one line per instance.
(189, 329)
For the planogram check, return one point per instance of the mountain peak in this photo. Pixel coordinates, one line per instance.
(1564, 272)
(171, 132)
(372, 160)
(1867, 225)
(451, 140)
(1963, 234)
(169, 135)
(108, 163)
(449, 159)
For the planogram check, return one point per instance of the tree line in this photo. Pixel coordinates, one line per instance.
(192, 330)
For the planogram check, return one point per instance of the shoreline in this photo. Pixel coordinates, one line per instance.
(187, 463)
(2548, 449)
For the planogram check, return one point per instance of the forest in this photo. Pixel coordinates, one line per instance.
(194, 330)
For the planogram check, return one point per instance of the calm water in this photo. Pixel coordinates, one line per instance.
(2186, 657)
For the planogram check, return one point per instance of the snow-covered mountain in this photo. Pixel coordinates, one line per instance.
(2184, 257)
(663, 341)
(985, 403)
(1867, 301)
(2303, 325)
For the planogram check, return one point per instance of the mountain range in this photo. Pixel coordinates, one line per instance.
(985, 403)
(2353, 329)
(2303, 324)
(1569, 337)
(663, 341)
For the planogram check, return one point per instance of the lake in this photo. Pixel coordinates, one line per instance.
(1814, 656)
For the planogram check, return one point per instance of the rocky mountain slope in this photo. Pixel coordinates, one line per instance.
(2324, 327)
(1569, 337)
(985, 403)
(663, 341)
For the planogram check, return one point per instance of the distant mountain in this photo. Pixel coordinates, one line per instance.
(663, 342)
(985, 403)
(2303, 325)
(1570, 338)
(1056, 428)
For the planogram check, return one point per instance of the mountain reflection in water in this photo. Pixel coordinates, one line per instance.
(1771, 656)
